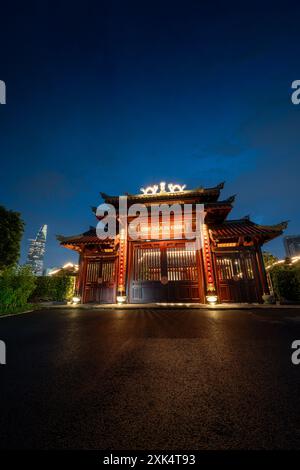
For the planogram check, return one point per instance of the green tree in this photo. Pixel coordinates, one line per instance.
(11, 231)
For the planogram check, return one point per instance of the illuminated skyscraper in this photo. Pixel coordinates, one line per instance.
(292, 245)
(36, 251)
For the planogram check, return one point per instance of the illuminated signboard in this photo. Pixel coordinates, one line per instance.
(163, 188)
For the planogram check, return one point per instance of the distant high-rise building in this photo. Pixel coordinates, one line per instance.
(36, 251)
(292, 245)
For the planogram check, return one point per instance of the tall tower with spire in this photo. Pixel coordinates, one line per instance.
(36, 251)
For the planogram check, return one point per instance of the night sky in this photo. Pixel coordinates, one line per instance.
(111, 96)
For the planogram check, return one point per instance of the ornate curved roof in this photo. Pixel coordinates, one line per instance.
(216, 214)
(75, 242)
(246, 228)
(230, 229)
(199, 194)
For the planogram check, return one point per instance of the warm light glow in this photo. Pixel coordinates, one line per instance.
(226, 245)
(70, 265)
(161, 188)
(207, 258)
(212, 299)
(293, 260)
(65, 266)
(76, 299)
(173, 304)
(121, 299)
(54, 271)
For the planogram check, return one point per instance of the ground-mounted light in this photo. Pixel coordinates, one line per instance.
(212, 299)
(76, 300)
(121, 299)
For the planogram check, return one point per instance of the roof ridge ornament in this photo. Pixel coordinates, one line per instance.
(163, 188)
(104, 195)
(231, 199)
(282, 225)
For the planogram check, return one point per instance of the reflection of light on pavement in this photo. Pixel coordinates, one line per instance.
(74, 313)
(215, 314)
(173, 304)
(119, 314)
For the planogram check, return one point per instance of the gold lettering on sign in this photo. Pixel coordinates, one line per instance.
(172, 188)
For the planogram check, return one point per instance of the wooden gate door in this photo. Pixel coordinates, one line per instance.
(100, 285)
(145, 283)
(182, 274)
(163, 272)
(237, 277)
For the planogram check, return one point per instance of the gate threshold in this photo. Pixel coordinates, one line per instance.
(172, 305)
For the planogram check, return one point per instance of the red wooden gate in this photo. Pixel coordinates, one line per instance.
(164, 272)
(237, 277)
(100, 285)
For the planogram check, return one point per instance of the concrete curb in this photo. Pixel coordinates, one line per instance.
(6, 315)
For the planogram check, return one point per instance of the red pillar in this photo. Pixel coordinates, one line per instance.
(208, 267)
(82, 277)
(262, 272)
(121, 294)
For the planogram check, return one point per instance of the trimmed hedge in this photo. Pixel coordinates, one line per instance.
(53, 288)
(286, 282)
(16, 285)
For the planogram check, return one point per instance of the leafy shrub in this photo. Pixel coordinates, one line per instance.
(286, 282)
(54, 288)
(44, 289)
(16, 285)
(64, 287)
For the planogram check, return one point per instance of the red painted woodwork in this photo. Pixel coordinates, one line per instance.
(229, 265)
(100, 281)
(237, 276)
(164, 272)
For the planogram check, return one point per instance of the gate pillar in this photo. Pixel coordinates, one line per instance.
(211, 293)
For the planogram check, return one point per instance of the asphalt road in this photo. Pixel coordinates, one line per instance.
(150, 379)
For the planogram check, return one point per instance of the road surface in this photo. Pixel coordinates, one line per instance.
(150, 379)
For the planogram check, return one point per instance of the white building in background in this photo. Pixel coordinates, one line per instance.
(36, 251)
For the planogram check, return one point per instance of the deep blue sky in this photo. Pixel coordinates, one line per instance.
(111, 96)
